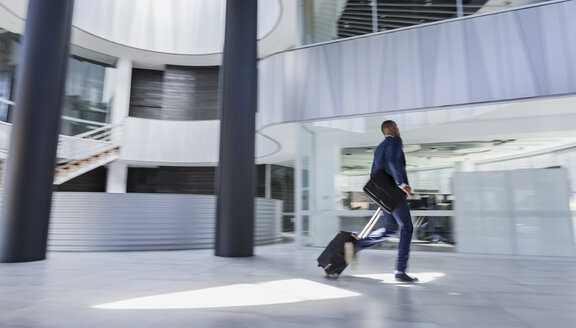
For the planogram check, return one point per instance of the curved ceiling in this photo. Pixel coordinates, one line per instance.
(155, 33)
(194, 27)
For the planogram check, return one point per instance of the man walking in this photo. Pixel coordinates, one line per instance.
(389, 157)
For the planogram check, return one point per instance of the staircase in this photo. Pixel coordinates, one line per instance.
(87, 151)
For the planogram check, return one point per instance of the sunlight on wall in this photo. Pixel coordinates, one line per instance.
(267, 293)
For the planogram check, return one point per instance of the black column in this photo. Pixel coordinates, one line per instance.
(235, 178)
(40, 78)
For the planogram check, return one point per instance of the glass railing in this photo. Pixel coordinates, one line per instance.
(328, 19)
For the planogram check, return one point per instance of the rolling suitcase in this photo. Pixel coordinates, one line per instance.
(340, 251)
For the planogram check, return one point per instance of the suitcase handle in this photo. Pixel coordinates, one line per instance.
(370, 225)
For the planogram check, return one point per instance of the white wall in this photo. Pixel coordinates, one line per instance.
(178, 143)
(324, 169)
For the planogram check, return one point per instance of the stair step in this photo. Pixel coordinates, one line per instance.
(68, 170)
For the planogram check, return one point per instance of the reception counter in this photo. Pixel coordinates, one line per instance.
(85, 221)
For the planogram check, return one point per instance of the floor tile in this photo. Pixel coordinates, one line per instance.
(282, 285)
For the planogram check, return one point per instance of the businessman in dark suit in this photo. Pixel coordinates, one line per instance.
(389, 157)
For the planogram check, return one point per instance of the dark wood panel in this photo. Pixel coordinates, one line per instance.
(146, 112)
(260, 180)
(146, 94)
(186, 180)
(173, 180)
(141, 180)
(190, 93)
(91, 181)
(178, 93)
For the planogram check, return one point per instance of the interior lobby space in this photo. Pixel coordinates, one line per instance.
(122, 212)
(281, 287)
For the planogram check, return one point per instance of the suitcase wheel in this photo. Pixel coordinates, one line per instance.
(332, 275)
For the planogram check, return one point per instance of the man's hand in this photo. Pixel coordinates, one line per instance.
(407, 190)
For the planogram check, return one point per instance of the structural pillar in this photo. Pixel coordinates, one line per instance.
(118, 171)
(116, 181)
(324, 168)
(235, 176)
(27, 199)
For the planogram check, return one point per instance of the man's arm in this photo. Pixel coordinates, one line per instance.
(395, 166)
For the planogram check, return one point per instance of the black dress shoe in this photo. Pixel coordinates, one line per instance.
(403, 277)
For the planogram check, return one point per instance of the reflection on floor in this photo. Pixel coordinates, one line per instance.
(418, 245)
(282, 287)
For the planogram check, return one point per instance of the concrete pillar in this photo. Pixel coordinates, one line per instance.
(325, 168)
(235, 175)
(121, 103)
(117, 171)
(27, 199)
(117, 176)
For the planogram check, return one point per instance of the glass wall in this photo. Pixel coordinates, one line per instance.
(89, 94)
(518, 212)
(438, 144)
(89, 90)
(564, 158)
(303, 181)
(8, 47)
(282, 188)
(431, 202)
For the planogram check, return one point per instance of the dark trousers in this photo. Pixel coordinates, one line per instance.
(401, 215)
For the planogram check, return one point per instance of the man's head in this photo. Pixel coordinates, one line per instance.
(389, 128)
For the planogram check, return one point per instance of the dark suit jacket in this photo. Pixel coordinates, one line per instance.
(389, 157)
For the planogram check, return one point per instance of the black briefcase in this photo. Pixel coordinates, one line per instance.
(382, 189)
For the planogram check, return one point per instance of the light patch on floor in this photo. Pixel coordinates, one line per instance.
(388, 278)
(267, 293)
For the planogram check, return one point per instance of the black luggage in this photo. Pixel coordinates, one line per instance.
(340, 251)
(338, 254)
(382, 189)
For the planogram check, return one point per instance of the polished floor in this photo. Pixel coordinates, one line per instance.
(281, 287)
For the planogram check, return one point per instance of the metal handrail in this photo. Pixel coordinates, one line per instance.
(90, 143)
(103, 128)
(6, 101)
(85, 144)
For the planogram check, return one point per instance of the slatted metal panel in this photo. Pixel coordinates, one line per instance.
(84, 221)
